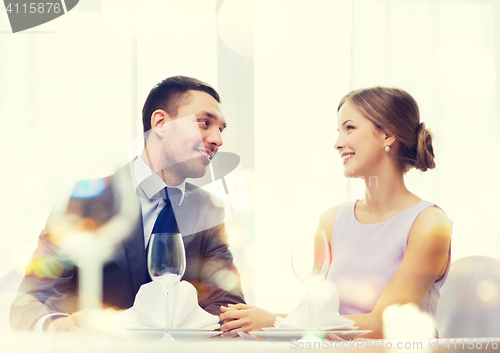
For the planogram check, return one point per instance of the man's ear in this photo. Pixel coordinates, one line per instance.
(158, 120)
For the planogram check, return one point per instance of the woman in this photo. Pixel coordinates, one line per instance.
(390, 247)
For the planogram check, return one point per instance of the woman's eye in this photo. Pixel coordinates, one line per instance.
(349, 127)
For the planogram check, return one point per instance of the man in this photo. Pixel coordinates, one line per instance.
(183, 123)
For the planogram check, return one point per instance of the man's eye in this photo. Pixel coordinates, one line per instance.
(204, 122)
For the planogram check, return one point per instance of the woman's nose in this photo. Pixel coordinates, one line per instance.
(339, 144)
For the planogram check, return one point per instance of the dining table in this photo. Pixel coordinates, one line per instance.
(99, 342)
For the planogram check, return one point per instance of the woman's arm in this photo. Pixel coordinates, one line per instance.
(424, 262)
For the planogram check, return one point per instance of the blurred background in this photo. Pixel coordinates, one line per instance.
(72, 90)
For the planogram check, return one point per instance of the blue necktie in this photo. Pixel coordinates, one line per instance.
(166, 223)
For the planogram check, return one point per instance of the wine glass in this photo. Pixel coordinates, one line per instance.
(311, 257)
(89, 219)
(166, 265)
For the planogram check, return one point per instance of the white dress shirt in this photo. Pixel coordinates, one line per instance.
(150, 188)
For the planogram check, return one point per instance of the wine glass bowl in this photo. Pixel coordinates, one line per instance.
(311, 258)
(166, 259)
(166, 265)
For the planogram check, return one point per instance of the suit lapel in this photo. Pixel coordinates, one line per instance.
(135, 252)
(136, 256)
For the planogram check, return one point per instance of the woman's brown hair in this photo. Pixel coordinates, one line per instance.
(396, 112)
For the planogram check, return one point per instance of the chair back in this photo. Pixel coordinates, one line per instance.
(469, 305)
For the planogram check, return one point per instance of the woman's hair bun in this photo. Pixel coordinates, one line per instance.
(425, 152)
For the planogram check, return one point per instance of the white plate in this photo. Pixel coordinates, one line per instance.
(178, 334)
(193, 334)
(323, 328)
(291, 335)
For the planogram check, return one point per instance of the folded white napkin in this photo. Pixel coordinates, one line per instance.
(325, 309)
(148, 311)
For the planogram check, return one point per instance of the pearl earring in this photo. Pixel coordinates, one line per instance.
(387, 148)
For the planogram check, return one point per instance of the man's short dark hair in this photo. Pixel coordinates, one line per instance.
(172, 93)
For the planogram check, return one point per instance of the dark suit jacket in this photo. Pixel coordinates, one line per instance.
(52, 285)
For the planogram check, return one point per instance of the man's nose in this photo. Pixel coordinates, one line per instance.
(214, 137)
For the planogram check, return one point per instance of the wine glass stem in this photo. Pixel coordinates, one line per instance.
(309, 295)
(90, 287)
(167, 322)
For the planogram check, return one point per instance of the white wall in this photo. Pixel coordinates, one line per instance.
(447, 55)
(302, 69)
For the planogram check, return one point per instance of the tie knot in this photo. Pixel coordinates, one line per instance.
(171, 193)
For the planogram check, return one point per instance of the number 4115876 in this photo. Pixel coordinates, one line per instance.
(471, 343)
(47, 7)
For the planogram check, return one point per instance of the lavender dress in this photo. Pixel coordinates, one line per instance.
(366, 257)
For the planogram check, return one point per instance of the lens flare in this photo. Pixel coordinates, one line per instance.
(100, 320)
(89, 188)
(45, 267)
(217, 201)
(87, 225)
(407, 323)
(464, 71)
(487, 291)
(227, 280)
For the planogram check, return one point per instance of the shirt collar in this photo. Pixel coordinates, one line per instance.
(150, 183)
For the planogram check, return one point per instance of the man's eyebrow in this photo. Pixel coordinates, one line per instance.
(212, 117)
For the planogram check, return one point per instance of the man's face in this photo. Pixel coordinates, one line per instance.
(193, 137)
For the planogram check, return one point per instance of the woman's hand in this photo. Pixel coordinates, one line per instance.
(242, 317)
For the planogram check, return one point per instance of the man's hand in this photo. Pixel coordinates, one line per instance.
(242, 317)
(71, 323)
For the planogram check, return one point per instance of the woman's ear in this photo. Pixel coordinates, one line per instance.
(389, 139)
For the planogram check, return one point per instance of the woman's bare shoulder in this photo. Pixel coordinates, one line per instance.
(432, 225)
(433, 218)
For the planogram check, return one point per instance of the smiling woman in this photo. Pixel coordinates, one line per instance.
(404, 256)
(391, 247)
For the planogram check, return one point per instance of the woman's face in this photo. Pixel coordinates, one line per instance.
(360, 143)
